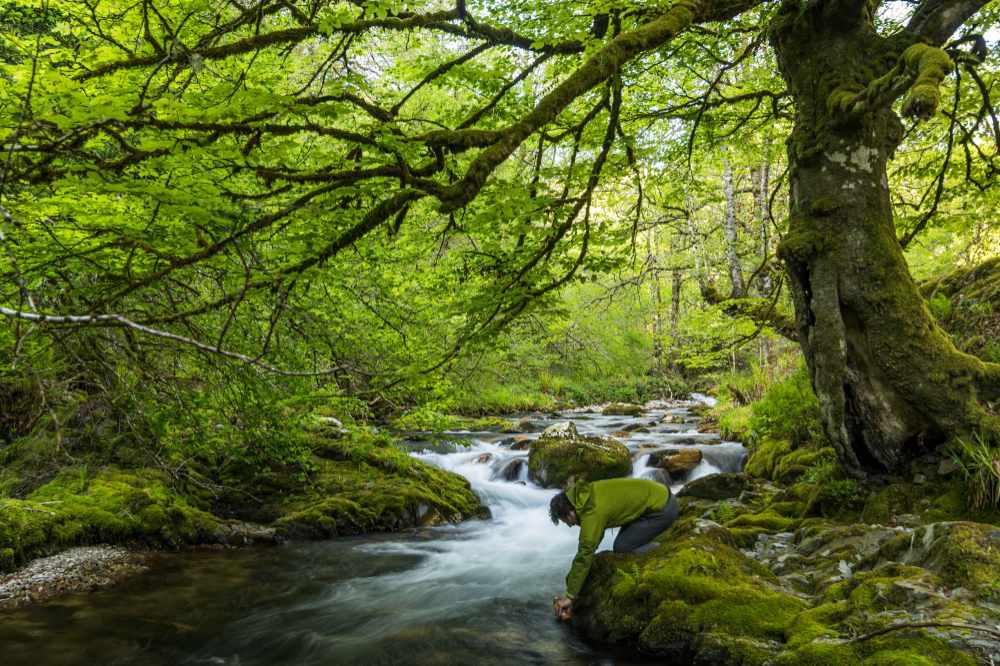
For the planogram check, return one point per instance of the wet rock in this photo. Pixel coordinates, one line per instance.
(647, 445)
(621, 409)
(515, 443)
(640, 431)
(632, 427)
(661, 476)
(565, 430)
(708, 427)
(513, 470)
(672, 418)
(675, 461)
(481, 459)
(520, 427)
(621, 434)
(700, 409)
(719, 486)
(947, 467)
(919, 479)
(561, 457)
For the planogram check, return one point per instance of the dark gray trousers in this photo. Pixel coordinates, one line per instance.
(637, 536)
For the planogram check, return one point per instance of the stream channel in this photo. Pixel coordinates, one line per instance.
(475, 593)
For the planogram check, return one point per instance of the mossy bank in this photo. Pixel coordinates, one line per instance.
(350, 482)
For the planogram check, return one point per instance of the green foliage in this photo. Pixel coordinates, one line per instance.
(979, 462)
(789, 410)
(940, 307)
(840, 490)
(723, 513)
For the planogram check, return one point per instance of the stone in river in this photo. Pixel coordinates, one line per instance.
(520, 427)
(718, 486)
(675, 461)
(561, 457)
(513, 470)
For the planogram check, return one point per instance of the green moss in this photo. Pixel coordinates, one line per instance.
(823, 206)
(111, 506)
(763, 459)
(734, 424)
(354, 497)
(7, 561)
(620, 409)
(562, 462)
(746, 537)
(768, 520)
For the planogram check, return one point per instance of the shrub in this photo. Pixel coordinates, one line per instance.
(789, 410)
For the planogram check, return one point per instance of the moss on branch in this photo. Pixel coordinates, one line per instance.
(920, 70)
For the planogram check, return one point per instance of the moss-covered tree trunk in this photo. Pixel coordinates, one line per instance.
(888, 379)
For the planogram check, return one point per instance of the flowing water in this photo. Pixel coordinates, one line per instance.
(475, 593)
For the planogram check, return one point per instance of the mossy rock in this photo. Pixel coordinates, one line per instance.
(138, 508)
(697, 598)
(561, 457)
(622, 409)
(961, 554)
(719, 486)
(700, 409)
(520, 428)
(778, 460)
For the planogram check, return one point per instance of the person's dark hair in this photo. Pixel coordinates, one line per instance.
(559, 508)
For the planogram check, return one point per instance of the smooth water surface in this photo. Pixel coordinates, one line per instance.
(477, 593)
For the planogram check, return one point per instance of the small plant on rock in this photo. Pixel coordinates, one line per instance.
(723, 513)
(633, 577)
(979, 462)
(841, 490)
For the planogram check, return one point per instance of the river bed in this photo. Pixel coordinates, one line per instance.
(475, 593)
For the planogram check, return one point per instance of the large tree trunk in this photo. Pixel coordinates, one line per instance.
(888, 379)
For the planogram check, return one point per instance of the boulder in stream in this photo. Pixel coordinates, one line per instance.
(675, 461)
(561, 457)
(621, 409)
(519, 427)
(513, 470)
(672, 418)
(719, 486)
(515, 443)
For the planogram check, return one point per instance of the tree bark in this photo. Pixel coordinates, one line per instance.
(735, 273)
(888, 379)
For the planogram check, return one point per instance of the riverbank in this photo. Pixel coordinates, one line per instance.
(84, 569)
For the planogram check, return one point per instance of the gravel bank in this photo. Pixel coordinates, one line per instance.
(73, 570)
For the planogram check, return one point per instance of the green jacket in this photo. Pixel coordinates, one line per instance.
(603, 504)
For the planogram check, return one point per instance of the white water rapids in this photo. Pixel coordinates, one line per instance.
(519, 555)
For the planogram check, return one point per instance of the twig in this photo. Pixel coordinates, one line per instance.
(920, 625)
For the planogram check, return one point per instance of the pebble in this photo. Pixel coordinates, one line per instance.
(73, 570)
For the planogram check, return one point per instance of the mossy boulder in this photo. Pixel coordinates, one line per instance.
(700, 409)
(961, 554)
(780, 461)
(675, 461)
(561, 457)
(672, 418)
(697, 598)
(719, 486)
(520, 428)
(622, 409)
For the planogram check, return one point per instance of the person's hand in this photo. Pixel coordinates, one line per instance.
(562, 607)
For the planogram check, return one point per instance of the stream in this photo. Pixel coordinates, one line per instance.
(475, 593)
